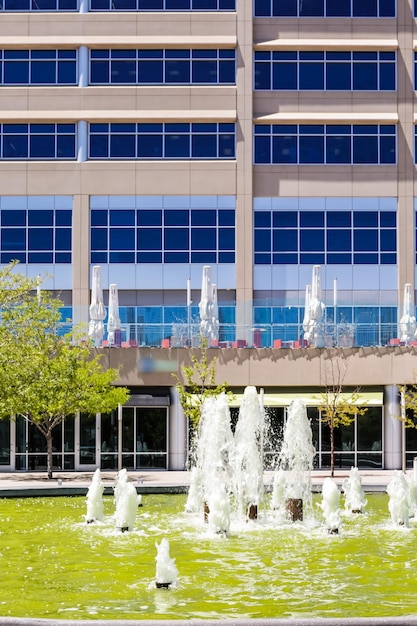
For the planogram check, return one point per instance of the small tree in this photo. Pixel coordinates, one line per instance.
(46, 377)
(199, 384)
(409, 402)
(336, 407)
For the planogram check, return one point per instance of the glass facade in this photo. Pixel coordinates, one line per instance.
(36, 229)
(163, 229)
(38, 67)
(37, 141)
(162, 5)
(317, 237)
(325, 8)
(163, 67)
(325, 144)
(162, 141)
(325, 71)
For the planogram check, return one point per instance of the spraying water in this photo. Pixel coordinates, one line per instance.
(355, 500)
(331, 505)
(166, 570)
(214, 454)
(297, 453)
(95, 507)
(126, 502)
(248, 475)
(398, 504)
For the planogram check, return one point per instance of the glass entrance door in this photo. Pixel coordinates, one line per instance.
(87, 443)
(5, 445)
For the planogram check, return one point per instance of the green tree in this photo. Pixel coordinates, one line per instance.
(45, 377)
(14, 286)
(337, 408)
(199, 383)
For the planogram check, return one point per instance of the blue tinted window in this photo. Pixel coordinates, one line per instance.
(149, 239)
(338, 76)
(13, 218)
(262, 219)
(339, 241)
(99, 218)
(99, 239)
(226, 239)
(365, 219)
(311, 218)
(203, 218)
(284, 75)
(40, 239)
(122, 218)
(262, 241)
(311, 149)
(13, 239)
(311, 76)
(388, 218)
(311, 240)
(365, 240)
(176, 239)
(365, 149)
(63, 239)
(388, 240)
(338, 219)
(176, 218)
(40, 218)
(203, 239)
(150, 218)
(338, 149)
(285, 219)
(122, 239)
(285, 241)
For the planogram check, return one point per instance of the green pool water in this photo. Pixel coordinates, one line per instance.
(54, 565)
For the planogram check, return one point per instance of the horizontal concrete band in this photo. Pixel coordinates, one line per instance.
(407, 620)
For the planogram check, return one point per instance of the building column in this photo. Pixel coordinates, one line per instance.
(393, 428)
(177, 445)
(83, 66)
(82, 141)
(244, 177)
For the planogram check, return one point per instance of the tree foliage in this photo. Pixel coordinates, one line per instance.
(199, 384)
(409, 402)
(336, 407)
(45, 376)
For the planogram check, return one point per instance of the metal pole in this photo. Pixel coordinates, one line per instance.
(403, 456)
(119, 437)
(335, 309)
(189, 302)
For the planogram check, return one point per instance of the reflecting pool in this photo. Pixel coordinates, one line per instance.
(54, 565)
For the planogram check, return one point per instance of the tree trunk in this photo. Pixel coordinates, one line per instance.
(331, 451)
(49, 463)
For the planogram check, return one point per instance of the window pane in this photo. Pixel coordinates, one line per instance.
(365, 76)
(311, 149)
(284, 75)
(311, 76)
(338, 76)
(365, 149)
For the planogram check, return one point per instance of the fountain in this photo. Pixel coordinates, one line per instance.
(248, 467)
(399, 506)
(213, 458)
(166, 571)
(126, 502)
(331, 505)
(355, 500)
(230, 569)
(95, 508)
(296, 458)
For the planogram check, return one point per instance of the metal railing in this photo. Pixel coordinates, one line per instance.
(181, 335)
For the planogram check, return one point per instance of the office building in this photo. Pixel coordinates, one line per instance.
(155, 137)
